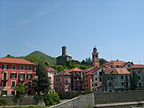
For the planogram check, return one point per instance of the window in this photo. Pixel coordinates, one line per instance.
(14, 67)
(127, 84)
(138, 72)
(100, 79)
(139, 84)
(29, 67)
(122, 83)
(126, 78)
(13, 75)
(13, 84)
(4, 83)
(21, 76)
(122, 77)
(5, 76)
(21, 67)
(4, 66)
(139, 78)
(29, 76)
(110, 84)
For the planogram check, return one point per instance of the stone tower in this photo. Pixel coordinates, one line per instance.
(95, 59)
(64, 50)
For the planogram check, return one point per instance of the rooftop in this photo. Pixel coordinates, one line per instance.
(15, 61)
(75, 69)
(116, 71)
(136, 66)
(50, 69)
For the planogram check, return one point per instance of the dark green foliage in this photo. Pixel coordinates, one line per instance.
(2, 102)
(42, 83)
(102, 61)
(38, 57)
(9, 56)
(51, 99)
(20, 89)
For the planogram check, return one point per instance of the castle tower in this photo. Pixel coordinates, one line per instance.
(63, 50)
(95, 59)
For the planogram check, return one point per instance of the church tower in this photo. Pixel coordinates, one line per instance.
(95, 59)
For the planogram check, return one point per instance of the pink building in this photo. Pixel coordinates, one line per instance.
(77, 77)
(62, 82)
(13, 71)
(88, 79)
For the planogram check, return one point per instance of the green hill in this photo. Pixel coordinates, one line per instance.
(38, 56)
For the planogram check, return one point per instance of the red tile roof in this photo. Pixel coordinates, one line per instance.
(50, 69)
(136, 66)
(15, 61)
(114, 63)
(75, 69)
(116, 71)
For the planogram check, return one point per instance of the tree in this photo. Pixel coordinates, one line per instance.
(42, 83)
(9, 56)
(20, 89)
(51, 99)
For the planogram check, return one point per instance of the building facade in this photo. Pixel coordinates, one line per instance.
(64, 58)
(137, 77)
(88, 81)
(62, 82)
(51, 72)
(77, 77)
(13, 71)
(115, 79)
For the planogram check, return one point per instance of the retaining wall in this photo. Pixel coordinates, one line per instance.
(79, 102)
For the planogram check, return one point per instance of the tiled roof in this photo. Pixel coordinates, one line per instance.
(50, 69)
(75, 69)
(136, 66)
(15, 61)
(116, 71)
(114, 63)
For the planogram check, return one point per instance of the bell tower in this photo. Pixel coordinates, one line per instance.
(95, 59)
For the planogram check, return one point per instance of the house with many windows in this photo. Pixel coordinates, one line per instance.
(51, 72)
(13, 71)
(137, 76)
(77, 78)
(115, 79)
(62, 81)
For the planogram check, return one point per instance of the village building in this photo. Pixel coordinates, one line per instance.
(62, 81)
(97, 78)
(51, 72)
(137, 77)
(77, 77)
(14, 71)
(64, 58)
(115, 79)
(88, 79)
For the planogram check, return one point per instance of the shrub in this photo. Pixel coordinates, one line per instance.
(51, 99)
(2, 102)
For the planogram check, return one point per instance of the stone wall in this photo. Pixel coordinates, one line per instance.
(118, 97)
(25, 100)
(79, 102)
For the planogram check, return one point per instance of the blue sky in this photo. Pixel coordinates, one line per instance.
(115, 27)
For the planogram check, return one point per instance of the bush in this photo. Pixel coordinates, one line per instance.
(51, 99)
(2, 102)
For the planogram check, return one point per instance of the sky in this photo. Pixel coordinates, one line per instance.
(114, 27)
